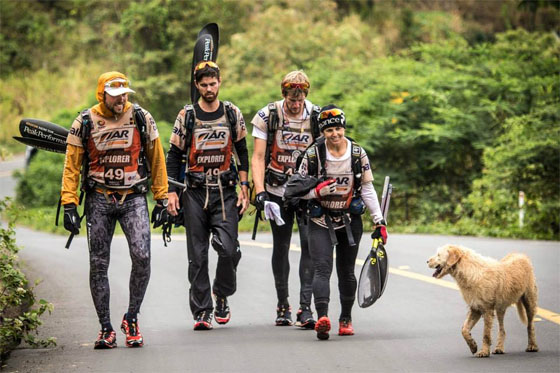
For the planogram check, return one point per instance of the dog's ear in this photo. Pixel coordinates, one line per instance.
(455, 254)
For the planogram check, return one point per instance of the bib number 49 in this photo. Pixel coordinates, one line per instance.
(114, 176)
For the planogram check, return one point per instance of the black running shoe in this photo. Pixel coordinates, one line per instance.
(304, 318)
(105, 340)
(221, 312)
(203, 321)
(284, 315)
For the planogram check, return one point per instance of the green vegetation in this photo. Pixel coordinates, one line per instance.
(18, 319)
(458, 103)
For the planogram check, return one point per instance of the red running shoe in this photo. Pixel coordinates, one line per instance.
(106, 340)
(132, 332)
(345, 327)
(322, 327)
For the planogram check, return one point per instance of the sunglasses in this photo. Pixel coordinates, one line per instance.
(301, 86)
(117, 84)
(330, 113)
(203, 64)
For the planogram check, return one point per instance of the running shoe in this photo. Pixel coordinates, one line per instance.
(132, 332)
(203, 321)
(345, 327)
(304, 318)
(221, 312)
(105, 340)
(283, 315)
(322, 327)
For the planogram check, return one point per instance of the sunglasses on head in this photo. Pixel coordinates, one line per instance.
(203, 64)
(117, 84)
(330, 113)
(302, 86)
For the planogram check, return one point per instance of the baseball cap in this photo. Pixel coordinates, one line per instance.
(117, 87)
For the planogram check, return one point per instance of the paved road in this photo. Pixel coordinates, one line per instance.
(414, 327)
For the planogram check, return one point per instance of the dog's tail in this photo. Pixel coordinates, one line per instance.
(521, 311)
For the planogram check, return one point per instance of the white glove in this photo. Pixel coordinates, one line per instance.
(272, 211)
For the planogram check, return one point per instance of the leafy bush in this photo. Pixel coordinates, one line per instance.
(18, 319)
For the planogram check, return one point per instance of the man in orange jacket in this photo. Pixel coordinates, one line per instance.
(117, 147)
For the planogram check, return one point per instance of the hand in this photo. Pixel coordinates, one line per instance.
(380, 231)
(242, 201)
(71, 218)
(260, 199)
(174, 204)
(325, 188)
(159, 213)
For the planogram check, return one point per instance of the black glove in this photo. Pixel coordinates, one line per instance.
(159, 213)
(260, 199)
(380, 231)
(71, 218)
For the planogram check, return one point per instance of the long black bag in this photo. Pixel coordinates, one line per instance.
(375, 270)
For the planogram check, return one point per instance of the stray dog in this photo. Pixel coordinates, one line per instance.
(487, 286)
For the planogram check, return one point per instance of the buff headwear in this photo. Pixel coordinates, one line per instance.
(114, 83)
(331, 116)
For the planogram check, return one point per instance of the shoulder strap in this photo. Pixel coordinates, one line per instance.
(271, 128)
(140, 120)
(188, 123)
(316, 154)
(315, 132)
(232, 119)
(357, 166)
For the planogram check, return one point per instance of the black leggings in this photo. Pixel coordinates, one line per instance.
(200, 222)
(101, 218)
(321, 250)
(282, 236)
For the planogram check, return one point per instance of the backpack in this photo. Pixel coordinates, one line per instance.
(272, 127)
(189, 127)
(318, 151)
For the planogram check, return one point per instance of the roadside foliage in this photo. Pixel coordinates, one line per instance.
(457, 102)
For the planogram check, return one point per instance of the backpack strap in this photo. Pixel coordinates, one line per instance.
(140, 120)
(232, 119)
(271, 128)
(315, 132)
(357, 167)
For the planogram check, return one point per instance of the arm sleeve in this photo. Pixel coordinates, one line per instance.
(159, 171)
(369, 195)
(71, 174)
(174, 159)
(243, 154)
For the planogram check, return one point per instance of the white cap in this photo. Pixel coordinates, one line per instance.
(117, 91)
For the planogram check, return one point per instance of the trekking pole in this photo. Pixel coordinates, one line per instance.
(256, 224)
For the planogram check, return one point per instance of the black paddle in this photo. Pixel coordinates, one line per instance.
(373, 276)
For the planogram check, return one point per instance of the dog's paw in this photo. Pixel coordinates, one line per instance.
(532, 348)
(483, 354)
(472, 346)
(498, 351)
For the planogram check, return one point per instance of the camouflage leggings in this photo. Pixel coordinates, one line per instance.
(133, 217)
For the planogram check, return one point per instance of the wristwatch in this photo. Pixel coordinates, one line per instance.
(246, 183)
(162, 202)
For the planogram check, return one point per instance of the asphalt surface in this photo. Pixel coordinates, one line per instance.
(414, 327)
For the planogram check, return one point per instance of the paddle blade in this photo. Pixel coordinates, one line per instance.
(369, 285)
(43, 145)
(205, 49)
(383, 261)
(42, 130)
